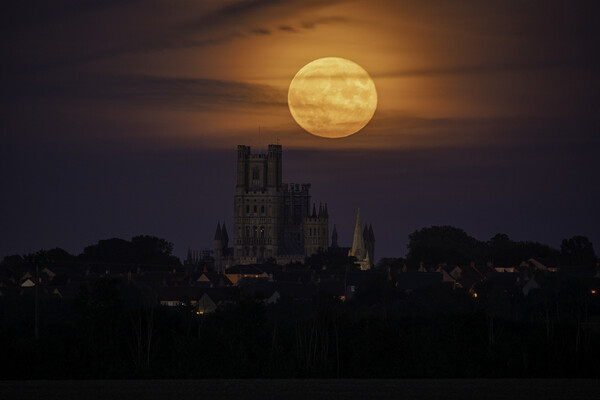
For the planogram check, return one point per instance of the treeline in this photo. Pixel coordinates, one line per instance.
(142, 249)
(114, 330)
(447, 244)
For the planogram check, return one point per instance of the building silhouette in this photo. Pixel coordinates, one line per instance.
(271, 219)
(363, 244)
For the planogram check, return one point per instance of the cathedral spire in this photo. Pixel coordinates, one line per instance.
(218, 231)
(224, 236)
(334, 238)
(314, 213)
(358, 243)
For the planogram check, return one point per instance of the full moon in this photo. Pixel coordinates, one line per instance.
(332, 97)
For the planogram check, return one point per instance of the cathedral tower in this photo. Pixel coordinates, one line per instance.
(258, 206)
(272, 219)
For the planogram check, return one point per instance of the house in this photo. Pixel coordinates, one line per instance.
(28, 282)
(531, 284)
(211, 279)
(66, 291)
(542, 264)
(237, 272)
(214, 298)
(176, 296)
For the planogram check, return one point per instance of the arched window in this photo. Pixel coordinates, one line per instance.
(262, 232)
(262, 209)
(247, 231)
(247, 208)
(255, 208)
(255, 173)
(255, 230)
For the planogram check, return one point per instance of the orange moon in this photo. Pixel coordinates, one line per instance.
(332, 97)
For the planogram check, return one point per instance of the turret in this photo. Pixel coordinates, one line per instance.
(218, 249)
(218, 231)
(274, 166)
(242, 165)
(224, 239)
(334, 238)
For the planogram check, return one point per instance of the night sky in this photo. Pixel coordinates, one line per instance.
(122, 118)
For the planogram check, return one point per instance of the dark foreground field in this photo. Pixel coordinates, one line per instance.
(428, 389)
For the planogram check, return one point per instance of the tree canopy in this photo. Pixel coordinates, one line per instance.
(577, 251)
(140, 250)
(447, 244)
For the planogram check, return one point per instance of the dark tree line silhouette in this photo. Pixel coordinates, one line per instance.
(381, 333)
(114, 329)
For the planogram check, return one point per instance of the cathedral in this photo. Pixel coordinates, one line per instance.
(276, 220)
(271, 219)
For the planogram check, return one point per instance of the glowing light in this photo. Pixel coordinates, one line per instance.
(332, 97)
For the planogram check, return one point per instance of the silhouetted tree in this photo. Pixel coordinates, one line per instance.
(577, 250)
(504, 252)
(441, 244)
(141, 250)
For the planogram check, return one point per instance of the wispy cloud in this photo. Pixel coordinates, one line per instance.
(484, 69)
(74, 35)
(166, 93)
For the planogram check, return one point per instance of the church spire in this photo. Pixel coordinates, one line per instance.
(218, 231)
(334, 238)
(358, 243)
(224, 236)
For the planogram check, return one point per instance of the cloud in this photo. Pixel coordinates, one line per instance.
(168, 93)
(287, 28)
(260, 31)
(41, 38)
(323, 21)
(482, 69)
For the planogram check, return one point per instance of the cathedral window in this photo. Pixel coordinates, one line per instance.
(255, 230)
(262, 232)
(262, 209)
(254, 208)
(247, 208)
